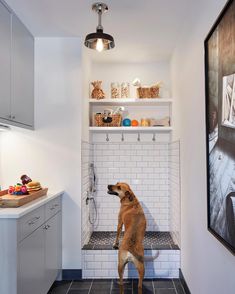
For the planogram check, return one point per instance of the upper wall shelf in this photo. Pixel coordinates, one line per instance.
(131, 101)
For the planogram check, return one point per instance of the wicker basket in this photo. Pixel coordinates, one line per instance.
(148, 92)
(99, 120)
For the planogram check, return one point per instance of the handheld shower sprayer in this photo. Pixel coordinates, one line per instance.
(91, 193)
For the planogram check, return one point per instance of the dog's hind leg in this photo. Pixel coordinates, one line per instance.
(122, 261)
(140, 267)
(121, 267)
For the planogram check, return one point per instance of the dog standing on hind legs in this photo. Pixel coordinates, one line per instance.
(131, 215)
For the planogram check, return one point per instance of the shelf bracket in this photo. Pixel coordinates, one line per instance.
(138, 138)
(154, 137)
(107, 137)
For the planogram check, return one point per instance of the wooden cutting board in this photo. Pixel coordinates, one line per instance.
(10, 201)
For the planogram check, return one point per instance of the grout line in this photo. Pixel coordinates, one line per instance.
(90, 287)
(182, 286)
(69, 287)
(174, 286)
(153, 287)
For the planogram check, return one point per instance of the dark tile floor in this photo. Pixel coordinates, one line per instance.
(156, 286)
(152, 240)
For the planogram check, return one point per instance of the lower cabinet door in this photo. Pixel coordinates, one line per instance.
(52, 249)
(31, 263)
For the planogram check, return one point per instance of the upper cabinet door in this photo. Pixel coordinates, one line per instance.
(5, 62)
(22, 101)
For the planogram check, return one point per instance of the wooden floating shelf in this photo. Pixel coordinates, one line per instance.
(130, 129)
(131, 101)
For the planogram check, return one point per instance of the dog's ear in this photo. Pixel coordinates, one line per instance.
(129, 195)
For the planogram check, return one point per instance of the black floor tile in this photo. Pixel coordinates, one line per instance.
(109, 286)
(98, 285)
(81, 285)
(60, 287)
(126, 291)
(101, 291)
(77, 291)
(178, 286)
(165, 291)
(163, 284)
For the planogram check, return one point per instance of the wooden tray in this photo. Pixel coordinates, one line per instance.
(10, 201)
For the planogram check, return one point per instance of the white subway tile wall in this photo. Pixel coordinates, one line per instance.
(145, 166)
(174, 182)
(98, 264)
(87, 158)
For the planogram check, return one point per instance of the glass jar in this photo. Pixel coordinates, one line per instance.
(115, 90)
(125, 90)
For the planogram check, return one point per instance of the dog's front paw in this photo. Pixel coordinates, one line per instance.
(115, 246)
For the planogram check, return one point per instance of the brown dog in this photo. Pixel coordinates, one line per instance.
(132, 216)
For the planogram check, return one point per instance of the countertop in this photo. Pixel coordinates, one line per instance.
(22, 210)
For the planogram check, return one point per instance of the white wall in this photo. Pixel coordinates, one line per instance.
(86, 72)
(52, 153)
(174, 190)
(207, 266)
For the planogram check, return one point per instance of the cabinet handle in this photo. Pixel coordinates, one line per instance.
(33, 220)
(56, 205)
(46, 227)
(52, 208)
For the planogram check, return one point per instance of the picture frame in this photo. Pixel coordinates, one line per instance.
(219, 48)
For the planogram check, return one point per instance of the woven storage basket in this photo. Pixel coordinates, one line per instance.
(148, 92)
(99, 120)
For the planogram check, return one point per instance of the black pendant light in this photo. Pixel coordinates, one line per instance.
(99, 40)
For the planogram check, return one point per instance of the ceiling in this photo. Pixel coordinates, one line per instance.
(144, 31)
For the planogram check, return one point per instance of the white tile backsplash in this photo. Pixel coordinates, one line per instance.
(138, 164)
(153, 172)
(100, 264)
(87, 158)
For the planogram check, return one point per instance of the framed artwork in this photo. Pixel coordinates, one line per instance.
(220, 126)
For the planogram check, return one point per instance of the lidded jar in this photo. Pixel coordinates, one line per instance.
(115, 90)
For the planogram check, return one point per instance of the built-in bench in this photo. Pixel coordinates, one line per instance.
(100, 260)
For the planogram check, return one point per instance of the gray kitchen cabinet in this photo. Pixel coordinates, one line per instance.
(31, 251)
(5, 62)
(52, 251)
(31, 263)
(22, 98)
(16, 71)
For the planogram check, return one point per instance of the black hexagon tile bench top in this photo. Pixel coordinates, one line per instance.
(152, 240)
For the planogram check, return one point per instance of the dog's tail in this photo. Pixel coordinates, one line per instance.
(151, 258)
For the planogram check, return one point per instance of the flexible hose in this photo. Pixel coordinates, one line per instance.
(92, 192)
(92, 221)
